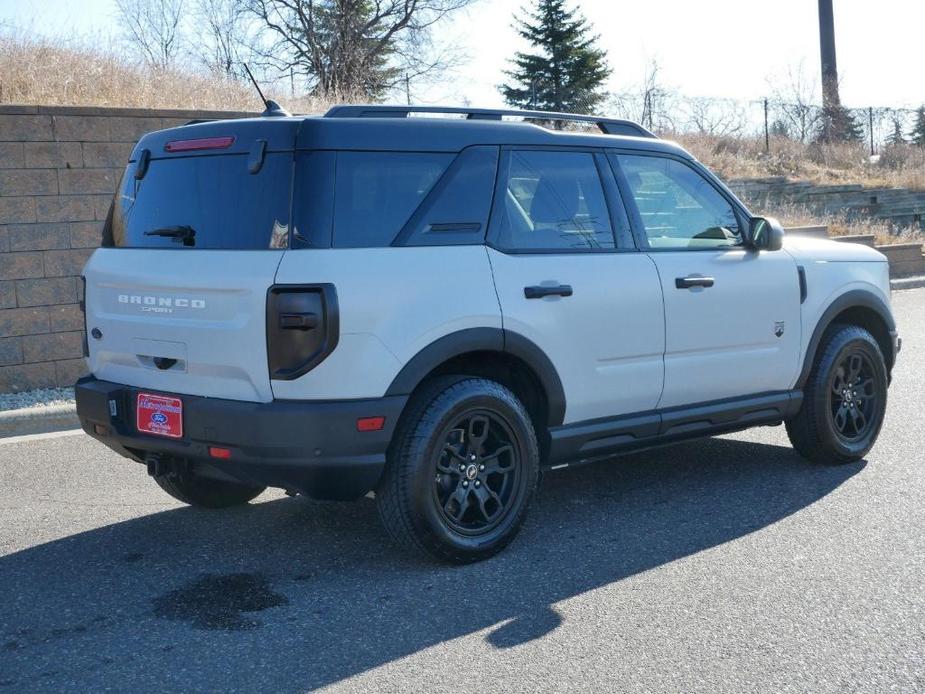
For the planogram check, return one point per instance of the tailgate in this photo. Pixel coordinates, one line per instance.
(181, 322)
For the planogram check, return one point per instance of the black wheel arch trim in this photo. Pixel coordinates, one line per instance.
(856, 298)
(484, 340)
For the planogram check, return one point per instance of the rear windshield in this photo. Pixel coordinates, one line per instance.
(210, 202)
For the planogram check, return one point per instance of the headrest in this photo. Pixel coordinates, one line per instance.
(555, 199)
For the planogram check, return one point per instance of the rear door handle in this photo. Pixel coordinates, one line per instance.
(539, 291)
(693, 281)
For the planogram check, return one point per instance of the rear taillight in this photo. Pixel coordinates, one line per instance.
(303, 327)
(198, 144)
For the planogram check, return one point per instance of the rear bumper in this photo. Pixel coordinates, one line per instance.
(310, 447)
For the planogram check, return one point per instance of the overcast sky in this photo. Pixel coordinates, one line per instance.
(719, 48)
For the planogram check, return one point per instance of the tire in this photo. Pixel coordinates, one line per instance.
(434, 496)
(838, 424)
(205, 492)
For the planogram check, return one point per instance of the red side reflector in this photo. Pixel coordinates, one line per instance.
(201, 143)
(222, 453)
(370, 423)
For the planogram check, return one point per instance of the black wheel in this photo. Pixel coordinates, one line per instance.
(196, 490)
(462, 470)
(844, 400)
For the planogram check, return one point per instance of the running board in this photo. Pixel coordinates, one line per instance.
(585, 441)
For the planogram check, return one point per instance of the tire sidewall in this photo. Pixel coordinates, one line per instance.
(426, 516)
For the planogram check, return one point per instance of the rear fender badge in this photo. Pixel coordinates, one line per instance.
(779, 328)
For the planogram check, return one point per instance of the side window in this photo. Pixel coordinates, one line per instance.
(456, 211)
(376, 192)
(680, 209)
(552, 201)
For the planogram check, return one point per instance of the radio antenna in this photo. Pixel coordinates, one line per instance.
(273, 109)
(257, 87)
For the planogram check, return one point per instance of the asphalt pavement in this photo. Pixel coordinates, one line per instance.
(723, 565)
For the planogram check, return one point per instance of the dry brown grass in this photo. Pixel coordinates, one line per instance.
(732, 158)
(45, 72)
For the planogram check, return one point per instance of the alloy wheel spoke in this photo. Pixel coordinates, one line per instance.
(477, 433)
(855, 364)
(866, 389)
(459, 498)
(454, 453)
(486, 496)
(841, 419)
(493, 463)
(858, 420)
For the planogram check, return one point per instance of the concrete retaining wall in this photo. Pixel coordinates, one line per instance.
(901, 208)
(906, 259)
(58, 169)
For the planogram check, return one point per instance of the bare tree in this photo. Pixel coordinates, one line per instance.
(650, 103)
(721, 117)
(225, 37)
(154, 28)
(356, 47)
(794, 100)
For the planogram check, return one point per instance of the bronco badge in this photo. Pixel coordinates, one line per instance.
(779, 328)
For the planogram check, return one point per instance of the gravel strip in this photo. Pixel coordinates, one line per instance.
(43, 397)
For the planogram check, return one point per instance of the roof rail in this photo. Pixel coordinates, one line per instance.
(609, 126)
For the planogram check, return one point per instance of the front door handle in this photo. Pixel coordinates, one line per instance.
(693, 281)
(539, 291)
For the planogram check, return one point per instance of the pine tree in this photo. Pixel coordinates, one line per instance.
(567, 71)
(354, 61)
(896, 138)
(779, 128)
(838, 124)
(918, 130)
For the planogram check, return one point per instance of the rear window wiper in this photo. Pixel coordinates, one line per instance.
(184, 233)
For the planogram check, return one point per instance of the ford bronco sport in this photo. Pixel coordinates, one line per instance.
(437, 308)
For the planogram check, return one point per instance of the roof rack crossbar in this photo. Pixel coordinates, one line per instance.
(609, 126)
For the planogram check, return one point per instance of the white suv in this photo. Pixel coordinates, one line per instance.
(437, 308)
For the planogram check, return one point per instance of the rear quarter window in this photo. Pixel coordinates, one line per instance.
(375, 193)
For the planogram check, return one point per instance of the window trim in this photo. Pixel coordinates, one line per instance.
(743, 216)
(609, 189)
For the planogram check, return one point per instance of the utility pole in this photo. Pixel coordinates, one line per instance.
(830, 98)
(767, 132)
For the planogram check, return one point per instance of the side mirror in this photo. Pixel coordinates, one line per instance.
(765, 234)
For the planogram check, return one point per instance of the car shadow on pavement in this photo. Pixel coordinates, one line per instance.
(291, 594)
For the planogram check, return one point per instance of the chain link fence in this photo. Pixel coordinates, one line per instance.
(877, 127)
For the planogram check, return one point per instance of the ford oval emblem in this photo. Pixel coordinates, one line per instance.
(159, 418)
